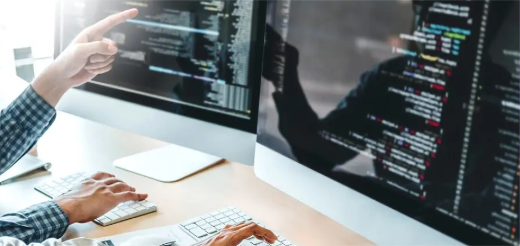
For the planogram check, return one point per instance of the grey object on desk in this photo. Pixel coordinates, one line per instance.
(26, 164)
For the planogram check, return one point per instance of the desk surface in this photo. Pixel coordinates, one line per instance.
(73, 144)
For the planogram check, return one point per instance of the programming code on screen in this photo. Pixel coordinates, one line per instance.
(195, 53)
(438, 120)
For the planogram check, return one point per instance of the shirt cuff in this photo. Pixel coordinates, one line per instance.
(31, 111)
(47, 218)
(36, 223)
(53, 221)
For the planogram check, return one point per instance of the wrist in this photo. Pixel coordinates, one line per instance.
(50, 87)
(70, 208)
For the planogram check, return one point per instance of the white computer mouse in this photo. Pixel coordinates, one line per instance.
(148, 240)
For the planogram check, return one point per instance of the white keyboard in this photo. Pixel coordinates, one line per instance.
(123, 211)
(205, 226)
(60, 186)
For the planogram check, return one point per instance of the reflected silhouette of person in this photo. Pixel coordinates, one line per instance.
(301, 127)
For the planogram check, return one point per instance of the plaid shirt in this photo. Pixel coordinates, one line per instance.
(21, 125)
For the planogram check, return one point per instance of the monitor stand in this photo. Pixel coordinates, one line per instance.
(167, 164)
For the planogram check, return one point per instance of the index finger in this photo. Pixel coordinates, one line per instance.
(125, 196)
(101, 175)
(103, 26)
(256, 230)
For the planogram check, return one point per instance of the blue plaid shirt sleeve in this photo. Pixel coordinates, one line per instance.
(35, 224)
(21, 125)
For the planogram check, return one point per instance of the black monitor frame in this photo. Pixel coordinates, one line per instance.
(254, 76)
(410, 207)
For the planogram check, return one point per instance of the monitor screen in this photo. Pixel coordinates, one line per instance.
(196, 58)
(413, 103)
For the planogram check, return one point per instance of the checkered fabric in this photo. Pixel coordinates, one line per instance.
(21, 125)
(35, 224)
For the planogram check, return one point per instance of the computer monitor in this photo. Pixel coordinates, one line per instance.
(187, 72)
(398, 119)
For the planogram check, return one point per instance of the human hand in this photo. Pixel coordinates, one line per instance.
(96, 196)
(233, 235)
(88, 55)
(280, 61)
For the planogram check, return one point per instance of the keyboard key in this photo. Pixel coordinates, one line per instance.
(242, 214)
(128, 203)
(112, 216)
(263, 244)
(220, 227)
(277, 243)
(140, 208)
(255, 241)
(281, 239)
(234, 216)
(228, 213)
(286, 243)
(247, 218)
(148, 204)
(206, 226)
(130, 210)
(211, 230)
(239, 220)
(215, 223)
(202, 222)
(192, 221)
(219, 216)
(135, 205)
(224, 220)
(198, 232)
(121, 213)
(190, 226)
(104, 220)
(230, 223)
(210, 219)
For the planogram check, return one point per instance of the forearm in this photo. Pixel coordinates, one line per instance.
(22, 123)
(9, 241)
(36, 223)
(48, 88)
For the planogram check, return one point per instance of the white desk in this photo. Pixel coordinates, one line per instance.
(73, 144)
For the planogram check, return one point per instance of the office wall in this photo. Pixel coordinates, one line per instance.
(26, 23)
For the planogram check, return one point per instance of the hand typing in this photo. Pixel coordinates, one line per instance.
(95, 196)
(233, 235)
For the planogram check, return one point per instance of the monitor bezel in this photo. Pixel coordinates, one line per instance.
(226, 120)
